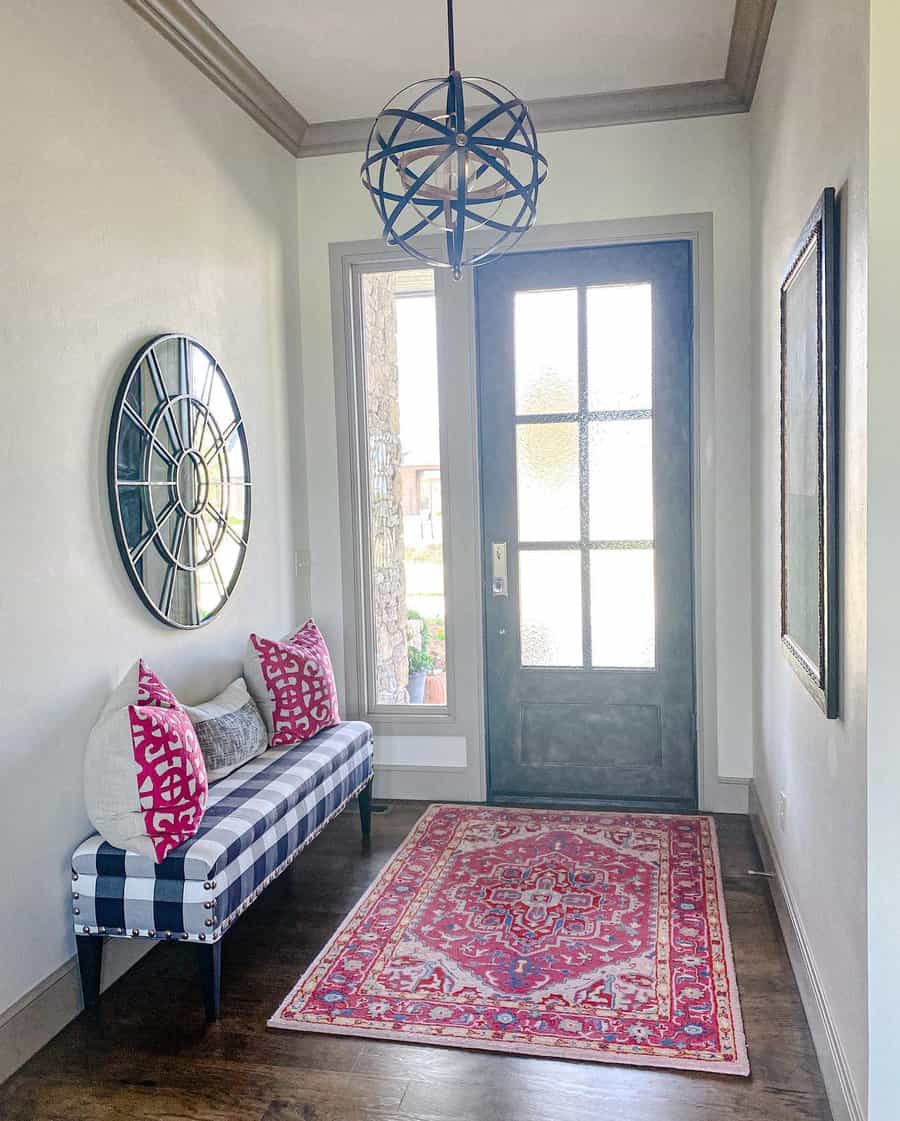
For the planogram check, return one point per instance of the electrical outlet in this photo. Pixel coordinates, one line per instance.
(782, 810)
(301, 561)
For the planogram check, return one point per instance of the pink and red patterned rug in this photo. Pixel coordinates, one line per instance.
(567, 934)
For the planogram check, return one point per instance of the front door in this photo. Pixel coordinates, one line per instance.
(584, 360)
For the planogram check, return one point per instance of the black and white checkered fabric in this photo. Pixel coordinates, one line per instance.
(257, 820)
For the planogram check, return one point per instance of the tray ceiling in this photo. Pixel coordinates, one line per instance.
(313, 73)
(342, 59)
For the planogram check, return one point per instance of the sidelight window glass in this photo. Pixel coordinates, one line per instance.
(405, 601)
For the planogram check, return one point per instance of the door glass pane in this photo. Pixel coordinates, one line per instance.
(620, 347)
(620, 455)
(403, 458)
(623, 608)
(546, 342)
(550, 607)
(547, 477)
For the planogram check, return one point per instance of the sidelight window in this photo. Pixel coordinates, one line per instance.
(401, 475)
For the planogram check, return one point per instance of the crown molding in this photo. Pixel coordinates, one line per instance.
(732, 94)
(558, 114)
(749, 35)
(200, 40)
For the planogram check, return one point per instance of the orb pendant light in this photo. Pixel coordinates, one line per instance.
(456, 157)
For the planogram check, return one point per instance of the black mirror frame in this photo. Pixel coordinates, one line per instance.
(119, 410)
(822, 230)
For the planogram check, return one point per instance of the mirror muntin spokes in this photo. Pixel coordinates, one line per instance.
(179, 481)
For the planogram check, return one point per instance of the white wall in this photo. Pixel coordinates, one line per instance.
(884, 549)
(635, 171)
(134, 198)
(809, 127)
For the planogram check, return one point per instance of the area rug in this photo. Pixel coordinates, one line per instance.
(579, 935)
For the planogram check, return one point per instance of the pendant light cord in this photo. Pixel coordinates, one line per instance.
(450, 35)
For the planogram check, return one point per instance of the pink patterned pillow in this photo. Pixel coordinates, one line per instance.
(151, 691)
(292, 682)
(145, 783)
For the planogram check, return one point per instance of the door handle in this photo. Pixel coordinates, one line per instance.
(499, 581)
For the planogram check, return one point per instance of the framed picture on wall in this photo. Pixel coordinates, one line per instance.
(809, 523)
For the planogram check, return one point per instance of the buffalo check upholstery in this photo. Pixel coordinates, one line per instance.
(257, 820)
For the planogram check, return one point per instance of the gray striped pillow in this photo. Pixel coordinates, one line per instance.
(230, 730)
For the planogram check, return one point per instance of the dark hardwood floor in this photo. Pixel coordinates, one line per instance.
(147, 1052)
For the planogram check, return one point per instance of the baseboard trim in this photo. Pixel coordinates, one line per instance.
(428, 784)
(839, 1085)
(725, 796)
(39, 1015)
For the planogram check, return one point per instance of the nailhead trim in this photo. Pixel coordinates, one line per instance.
(76, 911)
(75, 895)
(227, 923)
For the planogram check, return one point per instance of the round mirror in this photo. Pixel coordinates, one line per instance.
(179, 480)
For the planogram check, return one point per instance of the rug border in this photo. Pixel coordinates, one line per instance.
(741, 1066)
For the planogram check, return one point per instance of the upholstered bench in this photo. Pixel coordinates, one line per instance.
(257, 820)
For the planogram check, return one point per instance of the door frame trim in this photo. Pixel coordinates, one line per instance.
(463, 715)
(714, 793)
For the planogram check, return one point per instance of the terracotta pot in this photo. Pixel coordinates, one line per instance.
(436, 689)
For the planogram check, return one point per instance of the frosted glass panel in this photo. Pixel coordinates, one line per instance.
(546, 333)
(620, 347)
(550, 608)
(623, 612)
(547, 473)
(620, 457)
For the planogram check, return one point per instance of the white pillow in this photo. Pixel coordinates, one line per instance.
(145, 781)
(230, 730)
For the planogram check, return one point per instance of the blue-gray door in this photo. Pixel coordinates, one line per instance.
(584, 360)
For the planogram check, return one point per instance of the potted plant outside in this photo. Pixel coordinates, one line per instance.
(420, 665)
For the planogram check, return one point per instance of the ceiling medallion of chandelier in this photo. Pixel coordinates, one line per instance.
(456, 157)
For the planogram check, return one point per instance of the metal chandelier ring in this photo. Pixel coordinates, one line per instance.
(434, 166)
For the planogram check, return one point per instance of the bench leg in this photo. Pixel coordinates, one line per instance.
(365, 809)
(90, 957)
(209, 958)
